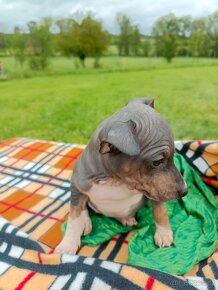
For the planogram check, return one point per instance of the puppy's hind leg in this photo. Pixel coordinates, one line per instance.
(78, 224)
(129, 221)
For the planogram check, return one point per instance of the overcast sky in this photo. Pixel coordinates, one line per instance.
(142, 12)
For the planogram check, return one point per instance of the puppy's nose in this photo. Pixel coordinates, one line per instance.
(182, 192)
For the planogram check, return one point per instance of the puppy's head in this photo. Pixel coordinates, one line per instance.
(137, 147)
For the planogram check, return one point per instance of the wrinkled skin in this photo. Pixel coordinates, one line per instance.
(129, 159)
(159, 183)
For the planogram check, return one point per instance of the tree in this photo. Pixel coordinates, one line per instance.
(125, 35)
(198, 37)
(19, 45)
(146, 47)
(93, 39)
(65, 24)
(135, 42)
(212, 32)
(3, 41)
(166, 31)
(40, 43)
(184, 23)
(83, 39)
(64, 41)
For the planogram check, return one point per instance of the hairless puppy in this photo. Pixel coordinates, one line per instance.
(128, 160)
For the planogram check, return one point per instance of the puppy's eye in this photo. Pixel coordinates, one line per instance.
(158, 162)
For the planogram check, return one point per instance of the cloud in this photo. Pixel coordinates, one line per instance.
(144, 13)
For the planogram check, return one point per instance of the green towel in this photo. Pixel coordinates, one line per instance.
(193, 220)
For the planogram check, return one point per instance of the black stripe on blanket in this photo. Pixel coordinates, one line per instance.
(21, 242)
(166, 279)
(111, 278)
(214, 269)
(9, 150)
(43, 161)
(47, 215)
(100, 249)
(117, 247)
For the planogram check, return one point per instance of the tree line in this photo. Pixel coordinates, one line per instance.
(82, 37)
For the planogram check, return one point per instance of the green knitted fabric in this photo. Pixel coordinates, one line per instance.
(193, 219)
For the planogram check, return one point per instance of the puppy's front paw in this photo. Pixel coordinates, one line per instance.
(75, 228)
(68, 246)
(163, 237)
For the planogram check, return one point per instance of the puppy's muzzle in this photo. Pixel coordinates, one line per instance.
(182, 192)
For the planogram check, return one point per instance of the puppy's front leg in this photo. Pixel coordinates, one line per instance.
(78, 224)
(163, 235)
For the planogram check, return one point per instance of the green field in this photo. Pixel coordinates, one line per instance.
(65, 104)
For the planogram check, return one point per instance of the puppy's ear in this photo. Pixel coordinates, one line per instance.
(149, 102)
(121, 137)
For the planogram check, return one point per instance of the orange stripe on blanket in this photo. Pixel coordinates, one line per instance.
(29, 153)
(40, 187)
(23, 156)
(28, 211)
(53, 236)
(87, 251)
(141, 279)
(28, 277)
(69, 153)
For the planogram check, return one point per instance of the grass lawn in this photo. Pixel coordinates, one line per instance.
(66, 105)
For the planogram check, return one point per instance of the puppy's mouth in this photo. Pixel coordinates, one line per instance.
(159, 198)
(148, 195)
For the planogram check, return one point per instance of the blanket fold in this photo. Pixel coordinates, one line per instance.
(193, 219)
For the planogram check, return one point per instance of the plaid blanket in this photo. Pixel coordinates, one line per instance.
(34, 202)
(202, 155)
